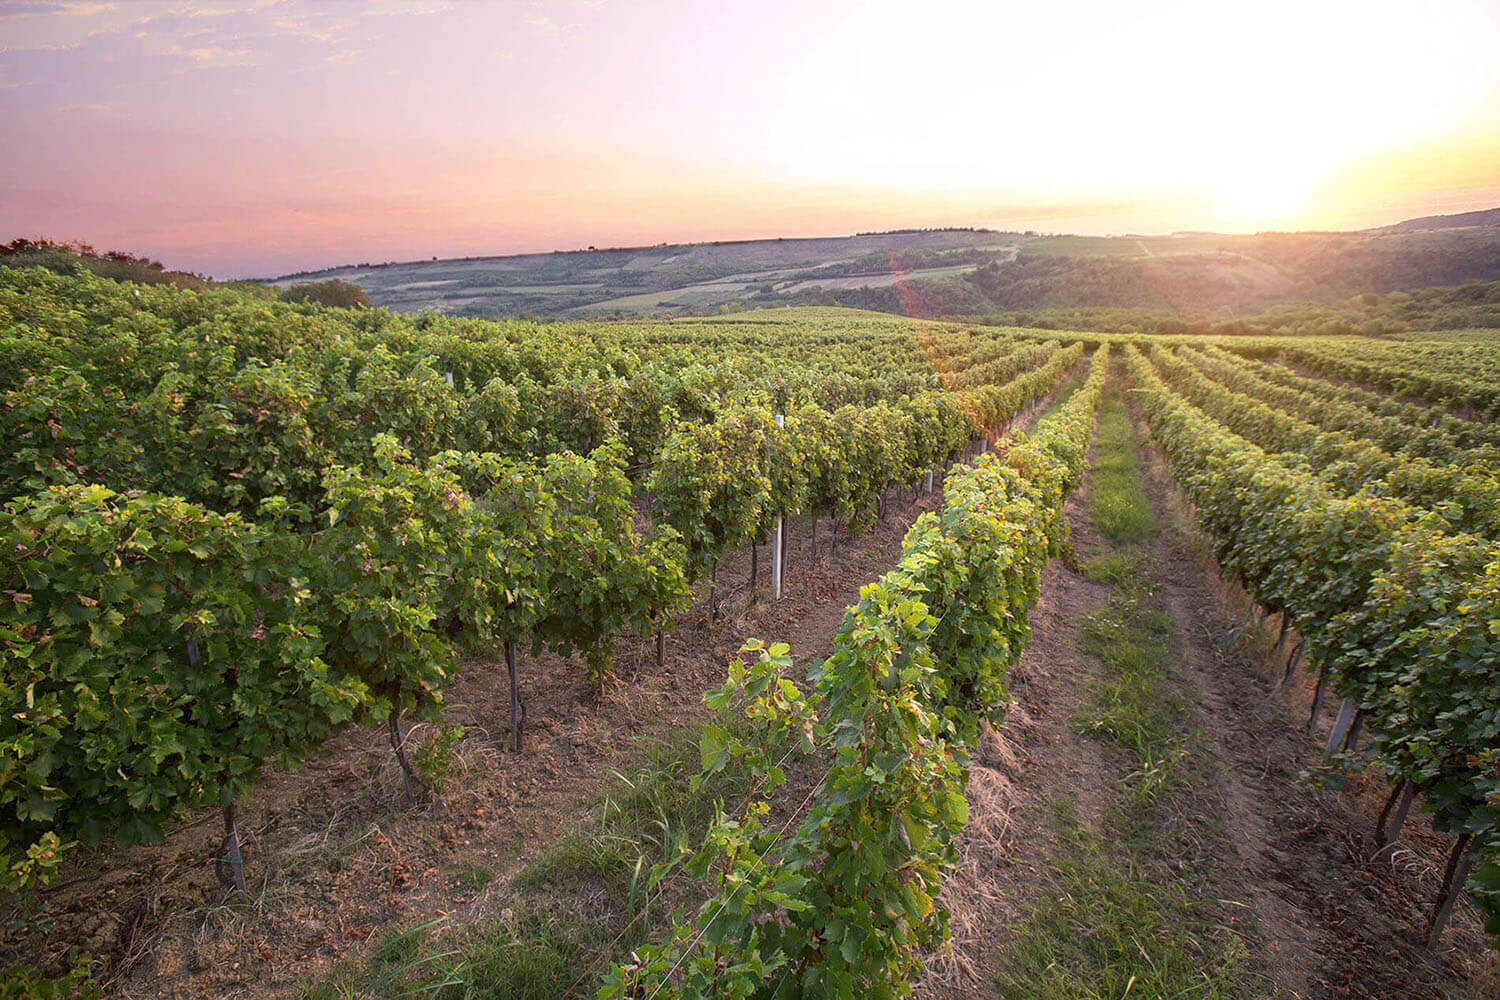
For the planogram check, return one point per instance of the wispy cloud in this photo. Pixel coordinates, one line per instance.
(93, 109)
(405, 8)
(214, 56)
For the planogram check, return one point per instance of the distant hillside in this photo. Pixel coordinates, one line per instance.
(76, 258)
(1487, 217)
(671, 278)
(1220, 276)
(949, 272)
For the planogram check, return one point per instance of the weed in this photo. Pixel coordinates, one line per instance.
(434, 760)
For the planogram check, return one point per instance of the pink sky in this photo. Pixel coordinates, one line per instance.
(252, 138)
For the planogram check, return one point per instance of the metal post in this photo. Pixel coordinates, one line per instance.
(777, 543)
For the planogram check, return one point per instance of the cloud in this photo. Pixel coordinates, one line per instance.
(96, 109)
(214, 56)
(406, 8)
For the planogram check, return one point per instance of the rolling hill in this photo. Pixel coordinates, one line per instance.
(948, 272)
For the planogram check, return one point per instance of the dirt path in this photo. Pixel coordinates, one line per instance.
(1283, 863)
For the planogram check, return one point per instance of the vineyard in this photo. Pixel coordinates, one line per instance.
(238, 534)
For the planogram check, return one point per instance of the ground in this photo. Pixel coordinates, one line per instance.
(1151, 815)
(1268, 857)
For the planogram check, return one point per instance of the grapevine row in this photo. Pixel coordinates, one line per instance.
(1465, 433)
(1471, 501)
(1389, 433)
(845, 904)
(1401, 613)
(1448, 375)
(148, 645)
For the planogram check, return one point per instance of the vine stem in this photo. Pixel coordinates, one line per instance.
(414, 784)
(1460, 860)
(1385, 813)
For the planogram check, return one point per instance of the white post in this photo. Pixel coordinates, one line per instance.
(776, 542)
(448, 377)
(929, 480)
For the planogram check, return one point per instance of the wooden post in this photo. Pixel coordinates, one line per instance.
(1341, 726)
(517, 708)
(232, 848)
(1286, 626)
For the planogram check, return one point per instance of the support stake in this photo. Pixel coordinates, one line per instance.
(517, 706)
(232, 848)
(778, 557)
(1341, 726)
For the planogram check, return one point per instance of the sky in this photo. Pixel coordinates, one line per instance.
(258, 137)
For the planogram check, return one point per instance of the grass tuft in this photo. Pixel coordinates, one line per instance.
(1104, 931)
(1118, 506)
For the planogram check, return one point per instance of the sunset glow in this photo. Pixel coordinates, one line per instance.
(252, 138)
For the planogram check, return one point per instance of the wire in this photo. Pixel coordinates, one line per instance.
(661, 890)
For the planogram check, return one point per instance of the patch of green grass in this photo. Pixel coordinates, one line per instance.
(1113, 568)
(572, 860)
(1103, 930)
(474, 877)
(531, 956)
(1134, 704)
(1118, 506)
(525, 955)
